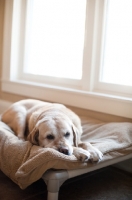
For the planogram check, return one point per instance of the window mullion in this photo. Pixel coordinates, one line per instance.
(88, 46)
(98, 42)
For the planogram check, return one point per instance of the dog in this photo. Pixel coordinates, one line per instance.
(50, 125)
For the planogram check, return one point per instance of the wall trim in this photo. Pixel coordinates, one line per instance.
(103, 103)
(4, 105)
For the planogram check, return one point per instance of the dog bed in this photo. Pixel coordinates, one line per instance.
(25, 163)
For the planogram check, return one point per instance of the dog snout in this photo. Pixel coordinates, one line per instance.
(64, 150)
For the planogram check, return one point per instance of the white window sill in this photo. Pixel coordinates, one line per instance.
(108, 104)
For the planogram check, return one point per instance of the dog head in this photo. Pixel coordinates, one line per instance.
(54, 130)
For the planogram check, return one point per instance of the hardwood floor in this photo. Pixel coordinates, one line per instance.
(106, 184)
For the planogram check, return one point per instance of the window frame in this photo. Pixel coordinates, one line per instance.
(86, 94)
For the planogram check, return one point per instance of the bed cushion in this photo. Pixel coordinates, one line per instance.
(25, 163)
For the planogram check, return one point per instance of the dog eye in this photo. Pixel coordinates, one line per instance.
(50, 137)
(67, 134)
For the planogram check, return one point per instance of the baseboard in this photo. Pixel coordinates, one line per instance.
(4, 105)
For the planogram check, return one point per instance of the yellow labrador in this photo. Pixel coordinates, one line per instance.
(49, 125)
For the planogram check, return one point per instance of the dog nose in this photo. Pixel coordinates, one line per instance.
(64, 150)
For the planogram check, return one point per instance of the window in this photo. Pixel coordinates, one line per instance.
(115, 62)
(55, 37)
(117, 59)
(66, 51)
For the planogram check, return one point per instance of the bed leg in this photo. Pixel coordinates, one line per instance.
(52, 196)
(54, 179)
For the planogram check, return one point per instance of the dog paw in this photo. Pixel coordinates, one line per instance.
(95, 155)
(82, 154)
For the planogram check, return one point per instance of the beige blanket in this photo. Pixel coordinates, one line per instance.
(25, 163)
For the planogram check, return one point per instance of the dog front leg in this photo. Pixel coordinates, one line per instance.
(81, 154)
(95, 154)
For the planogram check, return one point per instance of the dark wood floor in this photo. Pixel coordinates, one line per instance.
(107, 184)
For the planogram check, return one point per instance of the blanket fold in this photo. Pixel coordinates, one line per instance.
(25, 163)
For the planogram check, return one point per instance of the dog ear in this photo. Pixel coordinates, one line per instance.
(75, 136)
(33, 136)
